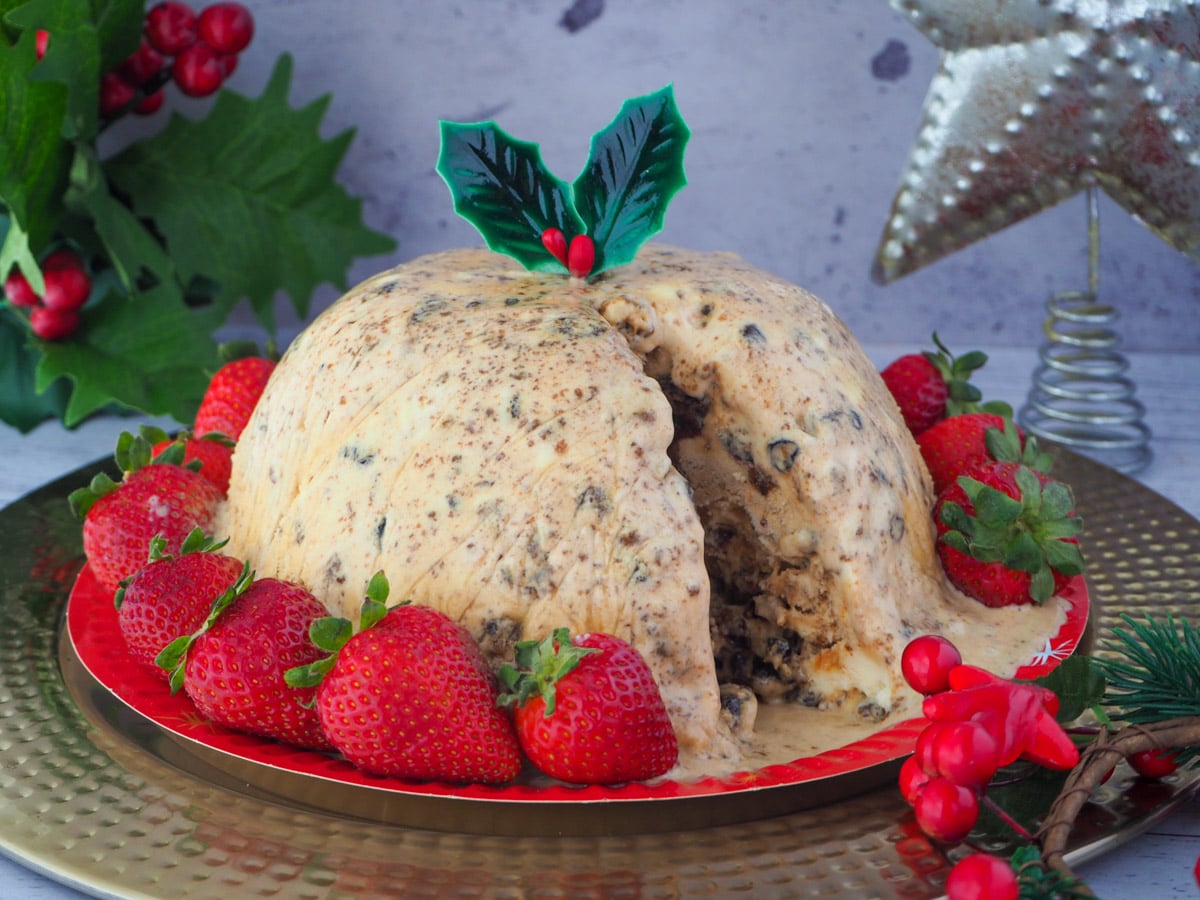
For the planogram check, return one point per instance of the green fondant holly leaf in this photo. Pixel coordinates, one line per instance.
(501, 186)
(634, 169)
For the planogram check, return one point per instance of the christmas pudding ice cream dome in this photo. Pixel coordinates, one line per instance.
(687, 453)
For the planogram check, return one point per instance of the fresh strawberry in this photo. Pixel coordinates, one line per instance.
(213, 453)
(932, 385)
(232, 395)
(233, 666)
(588, 710)
(173, 595)
(1008, 534)
(410, 695)
(954, 445)
(154, 497)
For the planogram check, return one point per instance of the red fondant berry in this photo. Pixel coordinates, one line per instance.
(19, 291)
(982, 876)
(226, 27)
(229, 63)
(197, 70)
(41, 40)
(581, 255)
(926, 663)
(556, 243)
(53, 324)
(115, 94)
(171, 26)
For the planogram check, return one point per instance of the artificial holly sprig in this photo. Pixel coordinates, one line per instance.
(502, 187)
(172, 231)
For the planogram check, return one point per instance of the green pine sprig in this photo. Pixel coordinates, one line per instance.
(1155, 672)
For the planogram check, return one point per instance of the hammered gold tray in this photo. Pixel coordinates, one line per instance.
(96, 800)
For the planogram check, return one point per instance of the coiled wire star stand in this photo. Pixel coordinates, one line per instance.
(1081, 395)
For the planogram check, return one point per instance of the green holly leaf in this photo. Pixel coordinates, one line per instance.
(246, 197)
(501, 186)
(634, 169)
(86, 40)
(1079, 684)
(129, 245)
(148, 352)
(34, 158)
(22, 406)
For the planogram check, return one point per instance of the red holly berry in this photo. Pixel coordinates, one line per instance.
(1008, 535)
(1154, 763)
(946, 811)
(912, 779)
(18, 290)
(67, 282)
(53, 324)
(588, 710)
(171, 27)
(966, 753)
(115, 94)
(150, 104)
(228, 63)
(232, 395)
(926, 663)
(197, 70)
(226, 27)
(141, 65)
(982, 876)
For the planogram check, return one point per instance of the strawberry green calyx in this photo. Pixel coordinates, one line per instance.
(540, 665)
(133, 452)
(330, 633)
(1033, 534)
(502, 187)
(956, 371)
(173, 657)
(1006, 445)
(197, 541)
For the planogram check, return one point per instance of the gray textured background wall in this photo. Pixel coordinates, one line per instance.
(802, 112)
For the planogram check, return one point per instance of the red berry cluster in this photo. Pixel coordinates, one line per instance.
(198, 51)
(978, 723)
(55, 314)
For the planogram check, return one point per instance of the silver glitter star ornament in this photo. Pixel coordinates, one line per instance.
(1037, 100)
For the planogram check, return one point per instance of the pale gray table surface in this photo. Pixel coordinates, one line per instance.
(1156, 864)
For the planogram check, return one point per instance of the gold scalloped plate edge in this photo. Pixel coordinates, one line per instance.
(87, 804)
